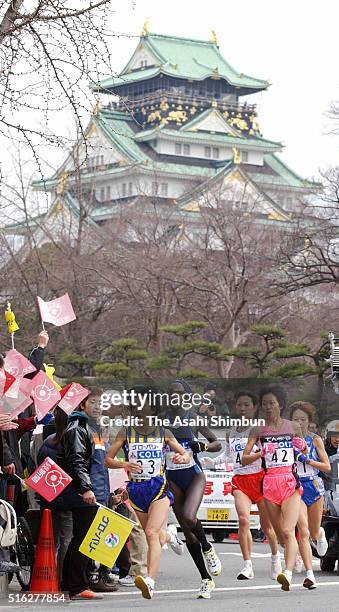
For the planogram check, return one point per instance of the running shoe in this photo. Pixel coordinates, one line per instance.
(176, 544)
(127, 581)
(213, 562)
(298, 565)
(206, 589)
(276, 567)
(144, 586)
(284, 581)
(86, 595)
(310, 582)
(246, 573)
(322, 544)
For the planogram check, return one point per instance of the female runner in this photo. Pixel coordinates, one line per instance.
(187, 483)
(281, 487)
(246, 485)
(308, 467)
(144, 446)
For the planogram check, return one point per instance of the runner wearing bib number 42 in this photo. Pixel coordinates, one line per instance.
(281, 487)
(246, 485)
(144, 447)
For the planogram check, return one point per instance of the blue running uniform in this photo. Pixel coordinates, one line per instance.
(150, 484)
(182, 474)
(312, 483)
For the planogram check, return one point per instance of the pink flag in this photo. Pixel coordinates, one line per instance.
(6, 380)
(72, 396)
(44, 394)
(17, 365)
(49, 480)
(59, 311)
(14, 405)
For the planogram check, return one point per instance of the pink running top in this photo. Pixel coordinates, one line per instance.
(278, 448)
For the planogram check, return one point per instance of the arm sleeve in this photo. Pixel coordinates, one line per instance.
(74, 451)
(25, 425)
(36, 357)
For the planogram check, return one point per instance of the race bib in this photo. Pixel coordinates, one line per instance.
(237, 447)
(279, 451)
(305, 470)
(179, 466)
(149, 455)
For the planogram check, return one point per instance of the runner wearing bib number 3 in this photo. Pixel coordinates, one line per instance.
(144, 446)
(246, 485)
(281, 487)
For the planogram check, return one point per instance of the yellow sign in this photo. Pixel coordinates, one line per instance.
(49, 371)
(218, 514)
(106, 536)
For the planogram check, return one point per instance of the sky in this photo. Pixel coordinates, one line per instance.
(294, 44)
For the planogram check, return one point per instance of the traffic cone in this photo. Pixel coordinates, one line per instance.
(44, 578)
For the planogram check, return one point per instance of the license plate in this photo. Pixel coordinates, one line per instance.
(215, 514)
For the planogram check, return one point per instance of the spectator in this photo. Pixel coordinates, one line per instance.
(78, 457)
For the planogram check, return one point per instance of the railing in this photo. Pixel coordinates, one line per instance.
(173, 97)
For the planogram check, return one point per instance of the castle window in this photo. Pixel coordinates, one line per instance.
(244, 156)
(108, 192)
(164, 189)
(215, 152)
(143, 63)
(187, 149)
(102, 194)
(207, 151)
(154, 189)
(123, 190)
(101, 160)
(130, 188)
(178, 148)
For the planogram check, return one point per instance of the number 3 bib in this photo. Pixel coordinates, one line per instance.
(149, 455)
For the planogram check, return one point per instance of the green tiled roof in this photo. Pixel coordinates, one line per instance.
(187, 59)
(206, 137)
(284, 175)
(116, 126)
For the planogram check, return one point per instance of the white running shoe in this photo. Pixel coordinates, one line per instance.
(276, 567)
(213, 562)
(322, 544)
(246, 573)
(299, 565)
(285, 581)
(176, 544)
(206, 589)
(145, 587)
(127, 581)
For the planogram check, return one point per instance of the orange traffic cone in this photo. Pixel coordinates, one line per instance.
(44, 578)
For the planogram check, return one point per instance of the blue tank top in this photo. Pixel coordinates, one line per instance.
(306, 471)
(183, 434)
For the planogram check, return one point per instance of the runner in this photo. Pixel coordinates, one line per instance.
(144, 446)
(187, 483)
(308, 467)
(246, 484)
(281, 486)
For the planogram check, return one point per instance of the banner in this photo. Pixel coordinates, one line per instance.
(49, 480)
(106, 536)
(59, 311)
(17, 365)
(13, 406)
(44, 394)
(72, 396)
(218, 489)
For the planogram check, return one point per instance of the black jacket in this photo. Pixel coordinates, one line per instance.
(76, 450)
